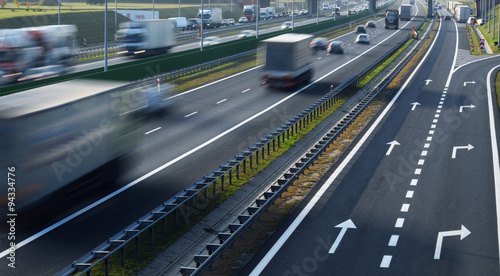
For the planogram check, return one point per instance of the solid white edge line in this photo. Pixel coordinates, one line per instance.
(494, 150)
(133, 183)
(281, 241)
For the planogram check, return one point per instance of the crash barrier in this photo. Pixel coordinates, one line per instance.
(177, 211)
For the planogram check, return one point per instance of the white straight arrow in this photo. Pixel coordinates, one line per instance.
(463, 232)
(392, 144)
(466, 82)
(344, 225)
(468, 106)
(454, 153)
(427, 82)
(414, 105)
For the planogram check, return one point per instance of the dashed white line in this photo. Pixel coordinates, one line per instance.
(221, 101)
(432, 131)
(414, 182)
(429, 138)
(427, 145)
(246, 90)
(424, 153)
(399, 223)
(386, 261)
(433, 126)
(405, 207)
(409, 194)
(158, 128)
(418, 171)
(394, 240)
(191, 114)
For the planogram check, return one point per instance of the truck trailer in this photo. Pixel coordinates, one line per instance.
(147, 37)
(53, 135)
(35, 52)
(212, 18)
(392, 19)
(288, 60)
(405, 12)
(462, 13)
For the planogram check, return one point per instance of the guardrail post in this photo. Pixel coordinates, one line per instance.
(257, 157)
(123, 256)
(164, 226)
(222, 183)
(251, 161)
(152, 236)
(137, 245)
(106, 267)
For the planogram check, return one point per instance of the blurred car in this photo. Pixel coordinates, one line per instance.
(192, 24)
(447, 17)
(286, 25)
(231, 21)
(480, 22)
(212, 40)
(336, 46)
(361, 29)
(362, 38)
(225, 22)
(246, 33)
(319, 43)
(243, 20)
(370, 24)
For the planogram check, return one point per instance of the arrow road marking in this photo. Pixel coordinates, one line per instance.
(344, 225)
(414, 105)
(468, 106)
(393, 143)
(464, 232)
(427, 82)
(454, 153)
(466, 82)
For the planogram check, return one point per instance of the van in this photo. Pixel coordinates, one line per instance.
(180, 23)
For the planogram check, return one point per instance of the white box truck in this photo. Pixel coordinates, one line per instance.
(270, 13)
(462, 13)
(180, 23)
(405, 12)
(288, 60)
(212, 18)
(60, 133)
(263, 14)
(147, 37)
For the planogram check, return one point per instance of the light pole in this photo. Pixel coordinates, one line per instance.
(106, 38)
(153, 9)
(59, 14)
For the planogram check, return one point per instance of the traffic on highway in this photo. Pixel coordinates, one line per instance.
(85, 158)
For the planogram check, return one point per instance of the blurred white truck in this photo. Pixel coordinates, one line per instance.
(462, 13)
(405, 12)
(212, 18)
(147, 37)
(288, 60)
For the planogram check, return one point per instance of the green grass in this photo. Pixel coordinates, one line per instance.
(489, 35)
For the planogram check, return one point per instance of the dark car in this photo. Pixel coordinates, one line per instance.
(370, 24)
(319, 43)
(361, 29)
(336, 47)
(447, 17)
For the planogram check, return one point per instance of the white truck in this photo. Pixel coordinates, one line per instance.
(212, 18)
(71, 131)
(405, 12)
(35, 52)
(270, 13)
(462, 13)
(263, 14)
(288, 60)
(180, 23)
(147, 37)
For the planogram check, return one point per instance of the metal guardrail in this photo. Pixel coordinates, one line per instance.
(190, 200)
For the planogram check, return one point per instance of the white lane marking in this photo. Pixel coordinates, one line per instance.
(427, 145)
(409, 194)
(399, 223)
(246, 90)
(418, 171)
(424, 153)
(394, 240)
(191, 114)
(386, 261)
(421, 161)
(221, 101)
(284, 237)
(175, 160)
(405, 207)
(151, 131)
(414, 182)
(494, 150)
